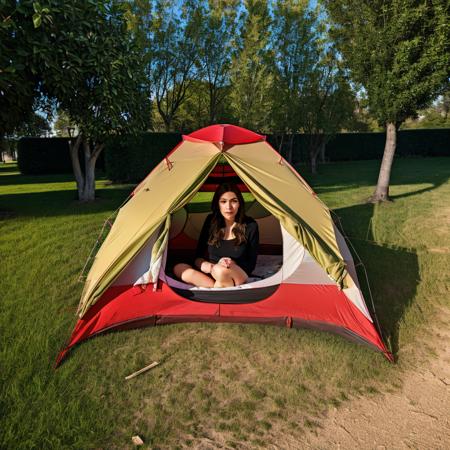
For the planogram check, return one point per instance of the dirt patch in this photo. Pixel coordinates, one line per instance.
(417, 417)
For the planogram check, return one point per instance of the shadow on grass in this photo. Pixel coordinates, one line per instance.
(18, 178)
(8, 180)
(419, 191)
(62, 203)
(393, 272)
(406, 171)
(6, 168)
(65, 202)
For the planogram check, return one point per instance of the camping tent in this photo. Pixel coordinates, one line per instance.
(305, 275)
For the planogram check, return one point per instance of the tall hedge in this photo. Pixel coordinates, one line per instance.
(418, 142)
(131, 158)
(299, 146)
(423, 142)
(362, 146)
(41, 156)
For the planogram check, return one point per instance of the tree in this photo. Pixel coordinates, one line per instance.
(81, 57)
(430, 117)
(295, 48)
(174, 46)
(19, 77)
(63, 126)
(96, 77)
(399, 51)
(35, 126)
(362, 121)
(435, 116)
(216, 50)
(195, 111)
(251, 72)
(327, 104)
(444, 103)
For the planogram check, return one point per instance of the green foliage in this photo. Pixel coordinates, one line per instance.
(328, 102)
(361, 120)
(96, 74)
(173, 46)
(269, 66)
(398, 50)
(215, 51)
(18, 76)
(187, 50)
(83, 58)
(79, 53)
(430, 118)
(35, 126)
(436, 116)
(63, 126)
(311, 92)
(252, 68)
(295, 48)
(195, 111)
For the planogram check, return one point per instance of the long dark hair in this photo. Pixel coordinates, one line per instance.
(218, 222)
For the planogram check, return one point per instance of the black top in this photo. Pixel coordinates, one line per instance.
(244, 255)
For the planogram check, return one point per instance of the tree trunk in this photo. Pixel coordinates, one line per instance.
(381, 193)
(79, 178)
(322, 151)
(89, 183)
(88, 188)
(313, 157)
(212, 104)
(279, 141)
(85, 182)
(290, 154)
(316, 143)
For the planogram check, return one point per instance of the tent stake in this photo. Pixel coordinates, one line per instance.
(144, 369)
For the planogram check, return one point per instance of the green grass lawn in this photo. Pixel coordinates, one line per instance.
(232, 385)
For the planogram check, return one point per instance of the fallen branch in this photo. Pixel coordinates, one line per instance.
(144, 369)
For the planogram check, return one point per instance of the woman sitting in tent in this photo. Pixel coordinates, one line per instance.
(227, 246)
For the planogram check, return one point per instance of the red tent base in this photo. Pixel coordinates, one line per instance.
(322, 307)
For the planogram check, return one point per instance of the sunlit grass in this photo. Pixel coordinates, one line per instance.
(217, 384)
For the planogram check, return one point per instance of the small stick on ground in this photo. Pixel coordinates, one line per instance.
(144, 369)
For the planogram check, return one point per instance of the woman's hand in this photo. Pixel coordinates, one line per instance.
(206, 267)
(226, 262)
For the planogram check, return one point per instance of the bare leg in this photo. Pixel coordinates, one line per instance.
(228, 277)
(190, 275)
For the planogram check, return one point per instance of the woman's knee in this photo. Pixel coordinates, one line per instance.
(180, 268)
(238, 275)
(239, 279)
